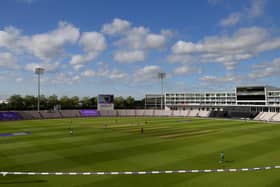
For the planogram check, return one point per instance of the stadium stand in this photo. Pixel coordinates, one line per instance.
(89, 113)
(204, 113)
(162, 112)
(276, 117)
(193, 113)
(108, 113)
(50, 114)
(70, 113)
(139, 112)
(5, 116)
(35, 114)
(178, 113)
(122, 113)
(236, 114)
(149, 113)
(266, 116)
(218, 114)
(259, 116)
(130, 113)
(28, 115)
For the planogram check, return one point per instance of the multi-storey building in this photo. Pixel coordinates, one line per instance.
(253, 98)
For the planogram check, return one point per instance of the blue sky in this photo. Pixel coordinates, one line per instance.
(91, 47)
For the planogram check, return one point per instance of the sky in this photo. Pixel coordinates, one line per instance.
(118, 47)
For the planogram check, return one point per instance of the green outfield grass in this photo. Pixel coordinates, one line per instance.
(116, 144)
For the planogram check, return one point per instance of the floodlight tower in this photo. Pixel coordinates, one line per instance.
(39, 71)
(161, 76)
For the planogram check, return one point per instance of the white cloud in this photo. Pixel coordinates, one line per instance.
(64, 78)
(244, 44)
(117, 75)
(77, 67)
(19, 79)
(93, 43)
(76, 78)
(256, 9)
(179, 58)
(155, 40)
(9, 38)
(140, 38)
(266, 69)
(49, 67)
(224, 79)
(186, 70)
(47, 46)
(78, 60)
(88, 73)
(8, 60)
(105, 73)
(231, 20)
(129, 56)
(27, 1)
(215, 2)
(147, 73)
(116, 27)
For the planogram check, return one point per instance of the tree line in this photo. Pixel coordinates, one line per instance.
(29, 102)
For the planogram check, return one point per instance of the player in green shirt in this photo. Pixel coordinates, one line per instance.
(222, 157)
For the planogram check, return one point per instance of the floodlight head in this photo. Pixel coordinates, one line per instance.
(39, 71)
(161, 75)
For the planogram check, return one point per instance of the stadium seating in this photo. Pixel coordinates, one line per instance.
(89, 113)
(122, 113)
(266, 116)
(130, 112)
(28, 115)
(70, 113)
(204, 113)
(149, 113)
(34, 114)
(50, 114)
(139, 112)
(193, 113)
(108, 113)
(162, 113)
(276, 117)
(259, 116)
(177, 113)
(9, 116)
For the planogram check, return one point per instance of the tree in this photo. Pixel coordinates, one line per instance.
(119, 102)
(75, 101)
(129, 102)
(65, 102)
(93, 102)
(52, 101)
(43, 102)
(30, 102)
(86, 102)
(16, 102)
(139, 104)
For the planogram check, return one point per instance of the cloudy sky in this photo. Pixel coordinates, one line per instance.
(91, 47)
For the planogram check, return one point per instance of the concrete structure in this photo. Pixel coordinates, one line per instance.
(243, 98)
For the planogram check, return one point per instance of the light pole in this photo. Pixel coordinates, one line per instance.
(39, 71)
(161, 76)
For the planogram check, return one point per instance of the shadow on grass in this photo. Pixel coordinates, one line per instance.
(229, 161)
(23, 182)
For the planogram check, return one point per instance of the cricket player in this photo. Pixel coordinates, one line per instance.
(71, 131)
(222, 157)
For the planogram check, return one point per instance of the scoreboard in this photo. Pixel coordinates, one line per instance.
(105, 102)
